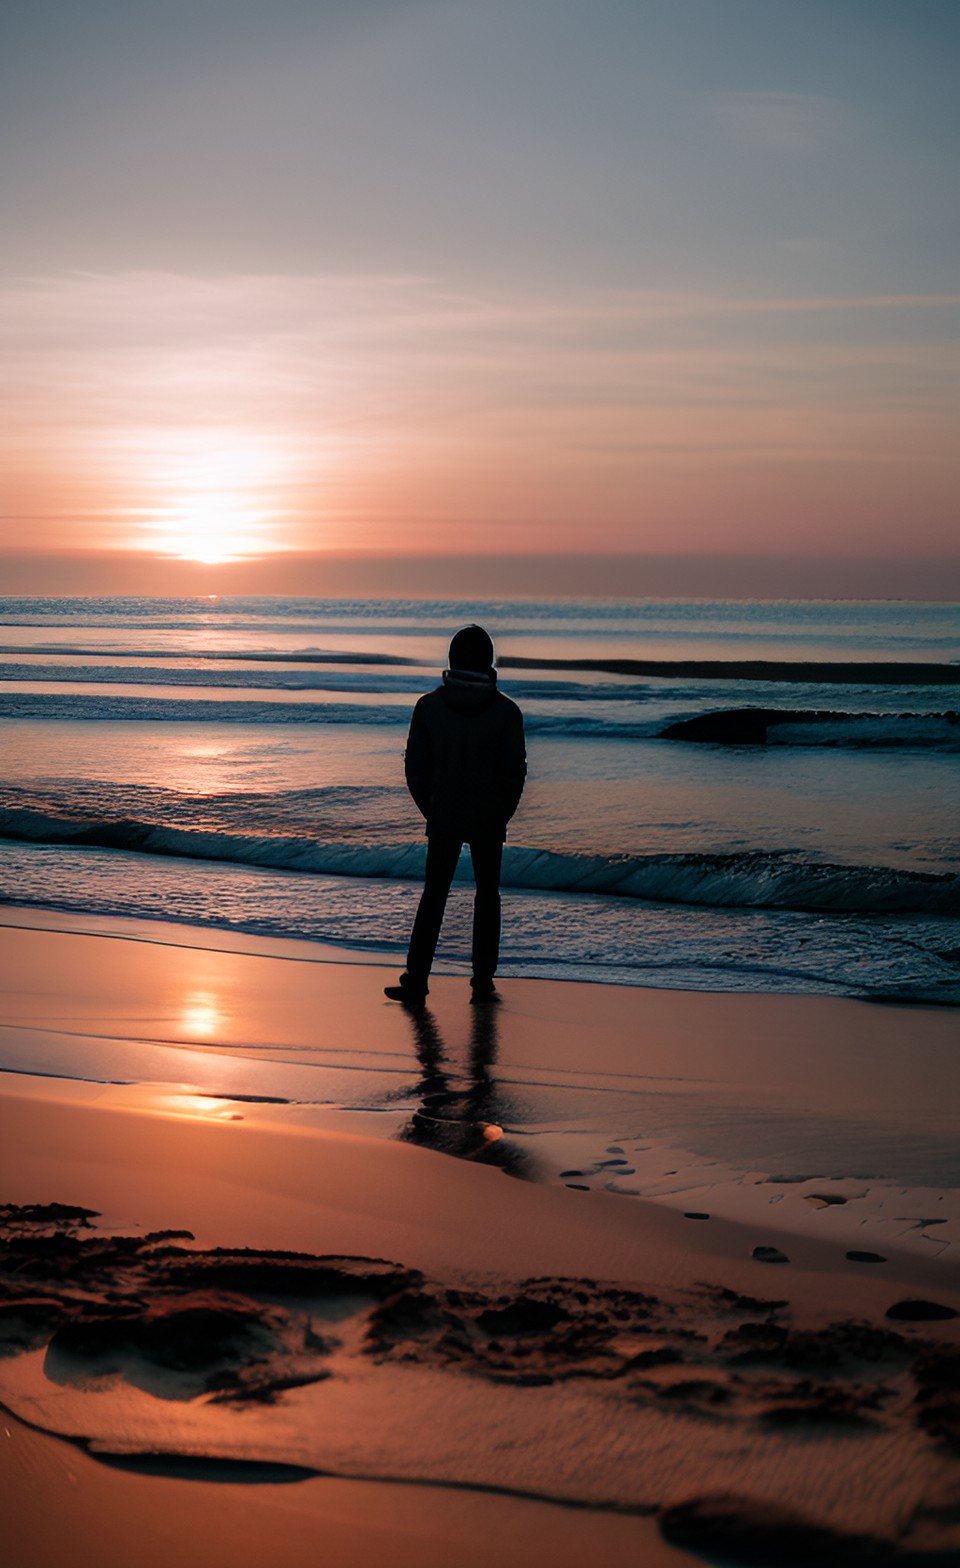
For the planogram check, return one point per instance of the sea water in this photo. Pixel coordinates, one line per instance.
(239, 763)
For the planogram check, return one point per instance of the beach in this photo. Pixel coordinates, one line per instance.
(479, 763)
(656, 1260)
(608, 1270)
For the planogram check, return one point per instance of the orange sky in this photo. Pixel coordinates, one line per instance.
(225, 418)
(319, 280)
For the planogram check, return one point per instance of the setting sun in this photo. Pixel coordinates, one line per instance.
(215, 501)
(211, 529)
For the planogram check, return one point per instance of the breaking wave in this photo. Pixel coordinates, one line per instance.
(819, 727)
(754, 880)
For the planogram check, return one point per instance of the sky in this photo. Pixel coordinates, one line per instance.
(362, 291)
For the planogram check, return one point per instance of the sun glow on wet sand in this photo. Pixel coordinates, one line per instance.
(200, 1015)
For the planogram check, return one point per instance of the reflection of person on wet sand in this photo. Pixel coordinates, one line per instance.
(457, 1119)
(465, 767)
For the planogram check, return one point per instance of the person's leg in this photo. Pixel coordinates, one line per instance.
(443, 852)
(486, 854)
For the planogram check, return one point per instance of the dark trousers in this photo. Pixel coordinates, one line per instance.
(443, 852)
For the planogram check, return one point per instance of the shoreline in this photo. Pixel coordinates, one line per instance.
(725, 1093)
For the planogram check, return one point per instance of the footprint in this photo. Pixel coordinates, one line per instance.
(695, 1214)
(577, 1186)
(614, 1148)
(823, 1200)
(770, 1255)
(865, 1257)
(565, 1174)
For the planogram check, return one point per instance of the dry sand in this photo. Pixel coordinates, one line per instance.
(678, 1317)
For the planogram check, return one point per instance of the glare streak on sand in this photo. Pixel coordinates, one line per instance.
(752, 1350)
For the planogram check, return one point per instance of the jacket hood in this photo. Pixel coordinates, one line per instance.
(468, 691)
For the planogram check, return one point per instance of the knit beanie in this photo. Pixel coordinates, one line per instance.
(472, 649)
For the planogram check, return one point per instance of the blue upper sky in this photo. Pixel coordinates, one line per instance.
(747, 146)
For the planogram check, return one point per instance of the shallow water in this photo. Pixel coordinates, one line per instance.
(239, 763)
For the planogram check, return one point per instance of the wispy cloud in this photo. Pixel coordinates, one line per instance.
(292, 408)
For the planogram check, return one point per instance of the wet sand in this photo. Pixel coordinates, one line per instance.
(419, 1285)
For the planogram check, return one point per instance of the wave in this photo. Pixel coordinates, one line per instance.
(105, 708)
(735, 726)
(279, 676)
(753, 880)
(96, 707)
(812, 672)
(286, 676)
(800, 727)
(229, 655)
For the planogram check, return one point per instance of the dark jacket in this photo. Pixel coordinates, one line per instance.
(465, 760)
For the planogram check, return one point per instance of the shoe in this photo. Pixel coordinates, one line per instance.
(410, 992)
(484, 991)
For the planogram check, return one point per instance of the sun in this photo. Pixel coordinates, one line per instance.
(215, 500)
(214, 529)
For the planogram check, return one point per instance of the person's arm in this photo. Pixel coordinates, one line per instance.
(418, 762)
(512, 763)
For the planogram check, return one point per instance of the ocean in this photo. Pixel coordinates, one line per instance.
(704, 808)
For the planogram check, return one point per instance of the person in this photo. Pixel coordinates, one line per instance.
(465, 765)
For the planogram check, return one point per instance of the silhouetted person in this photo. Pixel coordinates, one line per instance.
(465, 765)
